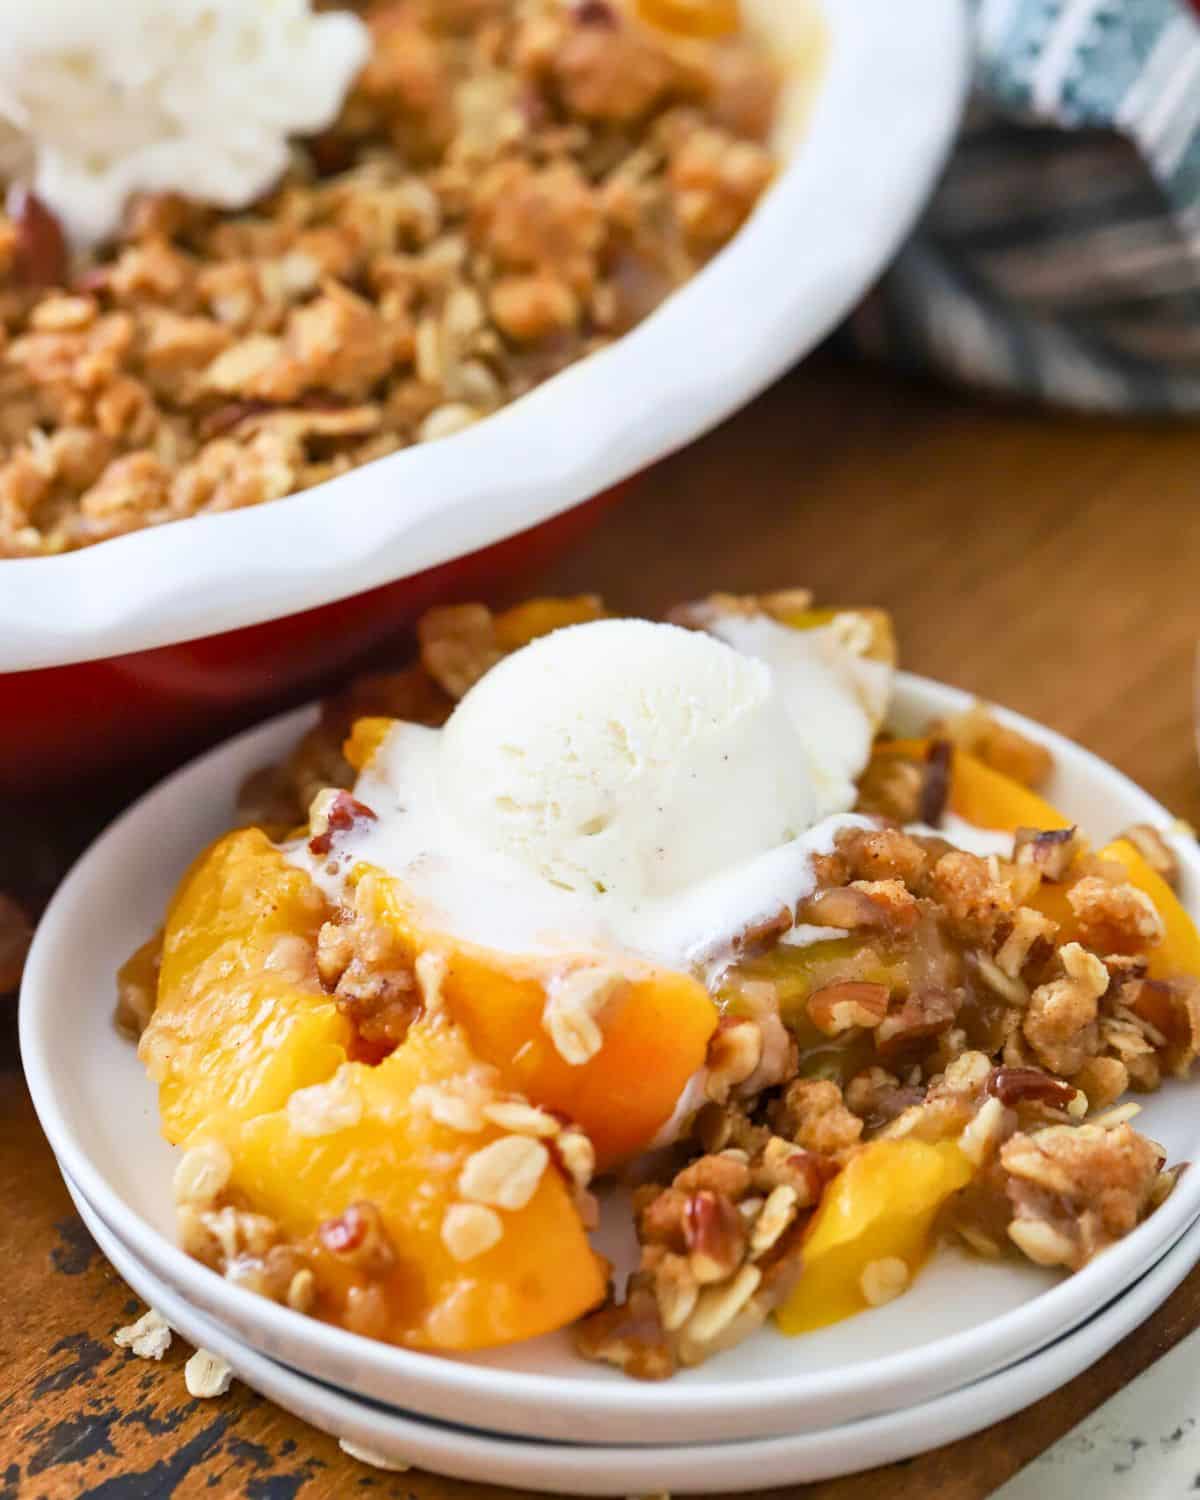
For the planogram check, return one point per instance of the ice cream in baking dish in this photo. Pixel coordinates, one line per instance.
(196, 98)
(585, 895)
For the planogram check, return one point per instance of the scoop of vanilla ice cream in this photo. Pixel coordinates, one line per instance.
(198, 97)
(626, 757)
(836, 695)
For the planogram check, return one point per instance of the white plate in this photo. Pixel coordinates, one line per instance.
(563, 1468)
(963, 1318)
(857, 173)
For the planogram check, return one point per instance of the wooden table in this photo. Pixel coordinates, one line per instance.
(1047, 563)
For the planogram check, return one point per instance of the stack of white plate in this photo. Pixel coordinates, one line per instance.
(971, 1343)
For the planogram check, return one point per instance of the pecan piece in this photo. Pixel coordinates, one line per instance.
(935, 782)
(223, 419)
(357, 1236)
(734, 1052)
(838, 1007)
(1014, 1086)
(714, 1235)
(925, 1013)
(1030, 940)
(846, 908)
(877, 1097)
(777, 1047)
(1172, 1007)
(1050, 851)
(41, 248)
(1154, 1001)
(894, 899)
(594, 13)
(628, 1334)
(763, 934)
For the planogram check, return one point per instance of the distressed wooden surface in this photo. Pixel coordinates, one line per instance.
(1043, 562)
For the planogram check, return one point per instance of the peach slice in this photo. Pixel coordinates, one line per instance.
(981, 796)
(523, 623)
(873, 1226)
(240, 1020)
(1179, 951)
(247, 1049)
(692, 18)
(537, 1274)
(655, 1027)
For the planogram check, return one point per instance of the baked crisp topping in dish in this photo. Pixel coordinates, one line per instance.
(571, 897)
(510, 185)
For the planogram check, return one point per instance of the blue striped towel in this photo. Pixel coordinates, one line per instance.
(1060, 256)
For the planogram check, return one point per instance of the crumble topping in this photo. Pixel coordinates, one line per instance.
(148, 1338)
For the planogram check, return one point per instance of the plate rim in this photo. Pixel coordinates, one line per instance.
(473, 1454)
(762, 1402)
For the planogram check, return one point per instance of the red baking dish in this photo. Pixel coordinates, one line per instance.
(148, 708)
